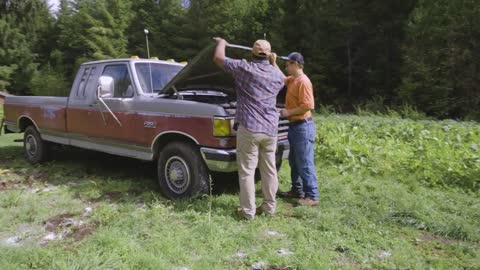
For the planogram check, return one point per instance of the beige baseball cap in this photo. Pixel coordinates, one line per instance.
(261, 48)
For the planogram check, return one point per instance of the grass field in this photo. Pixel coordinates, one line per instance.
(395, 194)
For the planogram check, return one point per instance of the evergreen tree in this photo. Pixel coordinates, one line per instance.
(24, 29)
(93, 30)
(442, 59)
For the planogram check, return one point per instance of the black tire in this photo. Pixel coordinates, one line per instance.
(181, 171)
(36, 149)
(225, 182)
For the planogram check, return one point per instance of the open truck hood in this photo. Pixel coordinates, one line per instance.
(203, 74)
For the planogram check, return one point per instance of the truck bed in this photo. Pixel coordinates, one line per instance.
(48, 113)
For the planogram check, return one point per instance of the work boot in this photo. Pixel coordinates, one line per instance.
(260, 211)
(307, 202)
(289, 194)
(240, 216)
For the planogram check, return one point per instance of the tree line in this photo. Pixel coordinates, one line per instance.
(369, 53)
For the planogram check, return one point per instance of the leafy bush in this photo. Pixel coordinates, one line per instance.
(437, 153)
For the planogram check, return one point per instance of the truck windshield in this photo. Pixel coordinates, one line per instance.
(161, 74)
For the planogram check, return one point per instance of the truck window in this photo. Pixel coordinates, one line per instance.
(121, 80)
(83, 82)
(153, 76)
(90, 81)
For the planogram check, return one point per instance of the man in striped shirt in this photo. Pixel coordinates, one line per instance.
(257, 84)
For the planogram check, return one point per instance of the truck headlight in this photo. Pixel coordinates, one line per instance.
(222, 127)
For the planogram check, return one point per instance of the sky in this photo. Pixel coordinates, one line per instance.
(53, 5)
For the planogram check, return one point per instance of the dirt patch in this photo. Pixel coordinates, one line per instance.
(428, 237)
(15, 185)
(66, 226)
(342, 249)
(5, 185)
(57, 222)
(113, 196)
(432, 244)
(78, 233)
(21, 179)
(37, 175)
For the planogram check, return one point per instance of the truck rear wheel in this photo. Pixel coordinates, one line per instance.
(182, 173)
(36, 149)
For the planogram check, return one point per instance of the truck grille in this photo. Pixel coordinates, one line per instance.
(230, 108)
(283, 129)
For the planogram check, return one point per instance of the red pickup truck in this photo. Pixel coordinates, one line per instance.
(179, 116)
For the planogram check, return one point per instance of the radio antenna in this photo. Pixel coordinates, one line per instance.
(148, 55)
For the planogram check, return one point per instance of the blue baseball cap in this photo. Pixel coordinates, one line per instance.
(294, 57)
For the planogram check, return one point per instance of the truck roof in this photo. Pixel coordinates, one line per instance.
(134, 60)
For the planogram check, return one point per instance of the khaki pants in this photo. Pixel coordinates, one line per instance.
(256, 149)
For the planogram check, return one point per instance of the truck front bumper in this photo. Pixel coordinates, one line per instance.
(225, 160)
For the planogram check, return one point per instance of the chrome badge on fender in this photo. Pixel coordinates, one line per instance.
(150, 124)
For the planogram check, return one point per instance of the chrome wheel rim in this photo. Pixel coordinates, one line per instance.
(177, 174)
(31, 146)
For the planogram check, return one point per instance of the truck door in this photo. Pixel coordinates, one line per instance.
(89, 120)
(120, 104)
(80, 111)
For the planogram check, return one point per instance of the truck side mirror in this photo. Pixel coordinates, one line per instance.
(106, 87)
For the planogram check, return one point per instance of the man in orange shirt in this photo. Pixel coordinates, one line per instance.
(301, 132)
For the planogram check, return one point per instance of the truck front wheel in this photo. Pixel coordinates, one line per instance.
(36, 149)
(182, 173)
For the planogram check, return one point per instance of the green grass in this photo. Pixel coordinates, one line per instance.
(1, 112)
(385, 204)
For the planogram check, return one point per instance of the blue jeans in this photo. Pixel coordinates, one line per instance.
(304, 180)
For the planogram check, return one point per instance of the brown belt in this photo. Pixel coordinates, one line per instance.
(299, 122)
